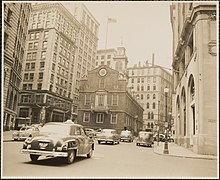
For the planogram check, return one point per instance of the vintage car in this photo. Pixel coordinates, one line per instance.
(59, 139)
(145, 138)
(25, 132)
(126, 135)
(108, 136)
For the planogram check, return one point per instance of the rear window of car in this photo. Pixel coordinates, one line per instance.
(142, 134)
(55, 129)
(108, 132)
(125, 133)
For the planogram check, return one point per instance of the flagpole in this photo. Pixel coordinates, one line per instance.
(106, 37)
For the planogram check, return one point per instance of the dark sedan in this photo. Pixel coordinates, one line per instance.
(57, 139)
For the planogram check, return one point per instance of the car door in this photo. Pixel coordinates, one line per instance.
(81, 140)
(86, 145)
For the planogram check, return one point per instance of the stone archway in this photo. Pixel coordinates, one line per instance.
(191, 108)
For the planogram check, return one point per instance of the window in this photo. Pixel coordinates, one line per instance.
(29, 56)
(152, 115)
(101, 83)
(148, 115)
(154, 96)
(109, 57)
(114, 99)
(154, 105)
(148, 96)
(101, 100)
(132, 80)
(43, 54)
(86, 117)
(31, 76)
(113, 118)
(148, 105)
(35, 45)
(148, 87)
(103, 57)
(26, 76)
(87, 99)
(53, 67)
(142, 80)
(34, 55)
(32, 66)
(138, 88)
(99, 118)
(142, 96)
(142, 88)
(30, 46)
(39, 86)
(154, 87)
(37, 35)
(46, 33)
(138, 80)
(45, 44)
(41, 75)
(32, 36)
(42, 64)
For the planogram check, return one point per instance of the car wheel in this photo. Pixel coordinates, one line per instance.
(71, 156)
(99, 142)
(89, 155)
(113, 142)
(137, 144)
(34, 157)
(118, 142)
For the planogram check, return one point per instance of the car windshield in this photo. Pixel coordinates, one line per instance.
(55, 129)
(144, 134)
(25, 128)
(125, 133)
(108, 132)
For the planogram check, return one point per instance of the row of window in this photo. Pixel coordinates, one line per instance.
(141, 88)
(100, 118)
(29, 86)
(141, 80)
(148, 96)
(101, 99)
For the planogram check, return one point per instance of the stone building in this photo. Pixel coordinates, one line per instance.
(16, 17)
(147, 83)
(195, 75)
(106, 103)
(54, 64)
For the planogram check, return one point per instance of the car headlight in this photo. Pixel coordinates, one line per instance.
(27, 143)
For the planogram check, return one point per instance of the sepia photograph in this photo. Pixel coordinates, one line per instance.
(110, 90)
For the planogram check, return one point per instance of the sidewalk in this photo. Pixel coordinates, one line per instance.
(179, 151)
(7, 136)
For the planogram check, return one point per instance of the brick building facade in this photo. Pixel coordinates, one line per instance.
(106, 103)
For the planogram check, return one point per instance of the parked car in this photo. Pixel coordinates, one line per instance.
(126, 135)
(108, 136)
(161, 137)
(25, 132)
(59, 139)
(145, 138)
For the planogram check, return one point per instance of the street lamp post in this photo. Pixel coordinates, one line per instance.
(158, 124)
(166, 151)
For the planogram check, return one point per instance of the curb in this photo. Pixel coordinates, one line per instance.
(179, 156)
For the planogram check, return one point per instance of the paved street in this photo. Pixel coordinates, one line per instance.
(123, 160)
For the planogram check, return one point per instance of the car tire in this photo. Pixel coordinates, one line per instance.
(89, 155)
(99, 142)
(34, 157)
(71, 156)
(118, 142)
(137, 144)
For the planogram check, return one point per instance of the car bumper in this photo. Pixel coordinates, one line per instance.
(126, 139)
(105, 140)
(45, 153)
(144, 143)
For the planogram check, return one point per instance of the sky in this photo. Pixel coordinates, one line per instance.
(142, 27)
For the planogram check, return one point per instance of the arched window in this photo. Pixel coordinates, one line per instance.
(152, 115)
(148, 105)
(148, 125)
(142, 88)
(154, 105)
(148, 96)
(148, 115)
(138, 88)
(152, 125)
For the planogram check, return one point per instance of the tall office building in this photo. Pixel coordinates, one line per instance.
(147, 83)
(53, 66)
(195, 75)
(16, 17)
(87, 39)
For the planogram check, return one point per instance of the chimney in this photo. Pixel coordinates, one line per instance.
(153, 59)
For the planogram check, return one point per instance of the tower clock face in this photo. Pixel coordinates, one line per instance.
(102, 72)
